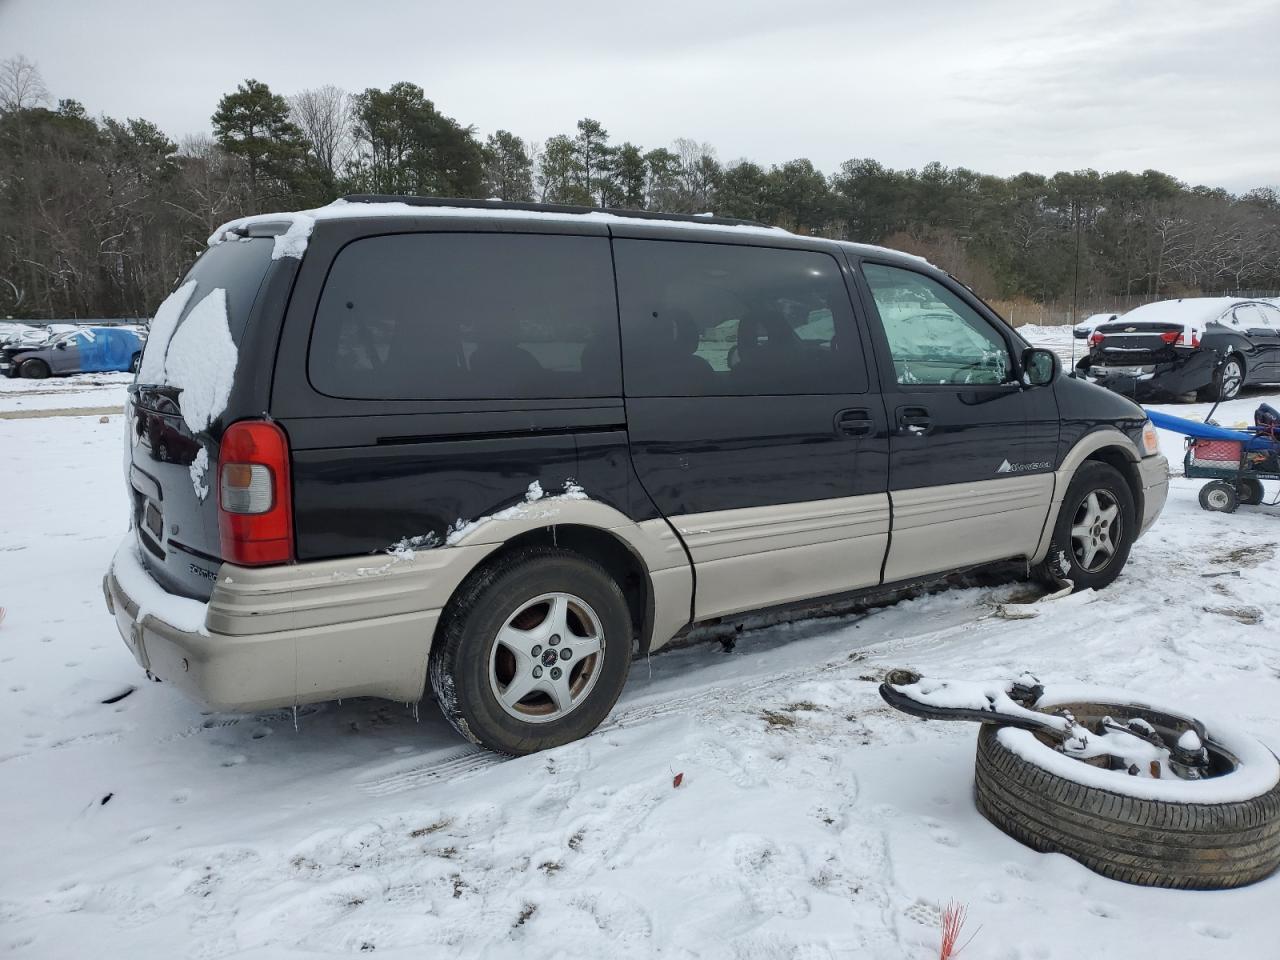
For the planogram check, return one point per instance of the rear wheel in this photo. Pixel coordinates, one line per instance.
(1094, 530)
(534, 651)
(1249, 491)
(1227, 381)
(1219, 496)
(34, 369)
(135, 363)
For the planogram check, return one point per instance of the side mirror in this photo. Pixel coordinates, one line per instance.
(60, 345)
(1039, 367)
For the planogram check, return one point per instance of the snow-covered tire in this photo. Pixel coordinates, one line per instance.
(1064, 561)
(34, 369)
(1156, 841)
(463, 655)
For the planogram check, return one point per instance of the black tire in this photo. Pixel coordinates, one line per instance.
(1224, 387)
(136, 363)
(1219, 497)
(34, 369)
(459, 668)
(1159, 843)
(1249, 491)
(1063, 562)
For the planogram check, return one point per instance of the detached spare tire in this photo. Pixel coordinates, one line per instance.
(1215, 833)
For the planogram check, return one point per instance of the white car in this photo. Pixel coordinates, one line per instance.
(1090, 323)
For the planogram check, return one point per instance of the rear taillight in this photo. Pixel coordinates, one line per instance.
(255, 503)
(1181, 338)
(1096, 339)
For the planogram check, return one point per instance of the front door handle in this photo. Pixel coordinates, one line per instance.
(914, 421)
(854, 423)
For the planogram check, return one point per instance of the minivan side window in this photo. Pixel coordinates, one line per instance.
(466, 316)
(934, 336)
(714, 319)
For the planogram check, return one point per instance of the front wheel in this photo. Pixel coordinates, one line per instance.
(34, 369)
(533, 652)
(1096, 526)
(136, 363)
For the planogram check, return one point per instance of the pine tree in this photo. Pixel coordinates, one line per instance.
(508, 170)
(253, 123)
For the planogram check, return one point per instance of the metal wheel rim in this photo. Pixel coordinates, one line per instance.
(1217, 498)
(529, 674)
(1232, 376)
(1096, 531)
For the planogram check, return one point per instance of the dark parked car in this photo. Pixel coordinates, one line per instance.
(1203, 348)
(87, 350)
(492, 452)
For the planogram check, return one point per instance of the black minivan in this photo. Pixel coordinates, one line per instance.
(493, 451)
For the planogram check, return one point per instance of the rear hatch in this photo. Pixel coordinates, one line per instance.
(1129, 345)
(172, 454)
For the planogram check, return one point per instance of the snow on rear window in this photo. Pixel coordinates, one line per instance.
(202, 361)
(162, 327)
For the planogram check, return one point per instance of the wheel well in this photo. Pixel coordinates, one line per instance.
(1115, 457)
(627, 570)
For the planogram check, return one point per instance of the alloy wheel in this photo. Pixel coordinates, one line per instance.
(1095, 531)
(546, 658)
(1232, 378)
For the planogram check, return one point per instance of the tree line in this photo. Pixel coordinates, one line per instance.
(99, 216)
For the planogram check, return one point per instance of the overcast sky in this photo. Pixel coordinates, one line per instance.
(1001, 86)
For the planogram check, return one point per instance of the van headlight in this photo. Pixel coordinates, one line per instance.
(1150, 440)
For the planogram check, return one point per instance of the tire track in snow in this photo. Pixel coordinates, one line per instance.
(456, 765)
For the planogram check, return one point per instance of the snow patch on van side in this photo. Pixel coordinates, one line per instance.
(202, 361)
(198, 468)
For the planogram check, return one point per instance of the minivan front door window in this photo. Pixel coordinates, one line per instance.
(934, 337)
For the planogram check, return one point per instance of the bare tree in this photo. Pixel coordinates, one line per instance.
(21, 86)
(324, 115)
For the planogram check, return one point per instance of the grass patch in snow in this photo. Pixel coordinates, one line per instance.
(776, 719)
(1248, 556)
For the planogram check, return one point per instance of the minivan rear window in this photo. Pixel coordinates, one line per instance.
(236, 266)
(455, 316)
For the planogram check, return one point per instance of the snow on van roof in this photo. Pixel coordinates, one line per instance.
(293, 242)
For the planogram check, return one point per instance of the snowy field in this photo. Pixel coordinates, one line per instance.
(811, 821)
(94, 390)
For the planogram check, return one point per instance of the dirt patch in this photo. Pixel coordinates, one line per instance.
(430, 828)
(1247, 556)
(802, 706)
(775, 718)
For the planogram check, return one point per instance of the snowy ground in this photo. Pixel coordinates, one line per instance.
(78, 391)
(811, 821)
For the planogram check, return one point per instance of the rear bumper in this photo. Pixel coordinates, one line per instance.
(1153, 475)
(1168, 381)
(377, 656)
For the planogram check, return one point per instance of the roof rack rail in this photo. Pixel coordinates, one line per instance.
(470, 203)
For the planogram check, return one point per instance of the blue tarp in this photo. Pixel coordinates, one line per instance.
(103, 349)
(1207, 431)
